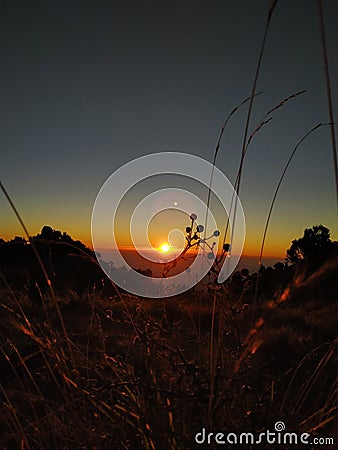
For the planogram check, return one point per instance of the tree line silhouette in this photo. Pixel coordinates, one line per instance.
(72, 266)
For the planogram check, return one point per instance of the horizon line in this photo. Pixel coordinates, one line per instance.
(147, 249)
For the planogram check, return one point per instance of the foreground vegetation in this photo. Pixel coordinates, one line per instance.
(111, 371)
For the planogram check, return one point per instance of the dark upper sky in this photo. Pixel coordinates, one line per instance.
(86, 86)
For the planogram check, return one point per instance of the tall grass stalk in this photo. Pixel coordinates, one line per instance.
(316, 127)
(42, 266)
(264, 121)
(273, 5)
(24, 441)
(329, 94)
(218, 145)
(29, 237)
(16, 300)
(18, 216)
(249, 99)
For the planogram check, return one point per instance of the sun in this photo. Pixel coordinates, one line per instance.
(165, 248)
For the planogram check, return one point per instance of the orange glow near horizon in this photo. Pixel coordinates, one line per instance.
(277, 242)
(274, 248)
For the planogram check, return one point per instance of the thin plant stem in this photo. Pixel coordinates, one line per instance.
(218, 145)
(45, 274)
(247, 124)
(211, 361)
(265, 120)
(329, 94)
(253, 91)
(24, 441)
(316, 127)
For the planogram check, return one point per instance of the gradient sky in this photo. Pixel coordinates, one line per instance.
(86, 86)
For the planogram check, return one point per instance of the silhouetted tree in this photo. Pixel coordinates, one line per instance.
(18, 240)
(315, 241)
(49, 233)
(46, 232)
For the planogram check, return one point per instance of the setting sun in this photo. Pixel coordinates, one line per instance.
(165, 248)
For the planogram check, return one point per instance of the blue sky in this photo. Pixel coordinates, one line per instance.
(88, 86)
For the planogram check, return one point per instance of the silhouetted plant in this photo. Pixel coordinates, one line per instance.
(193, 239)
